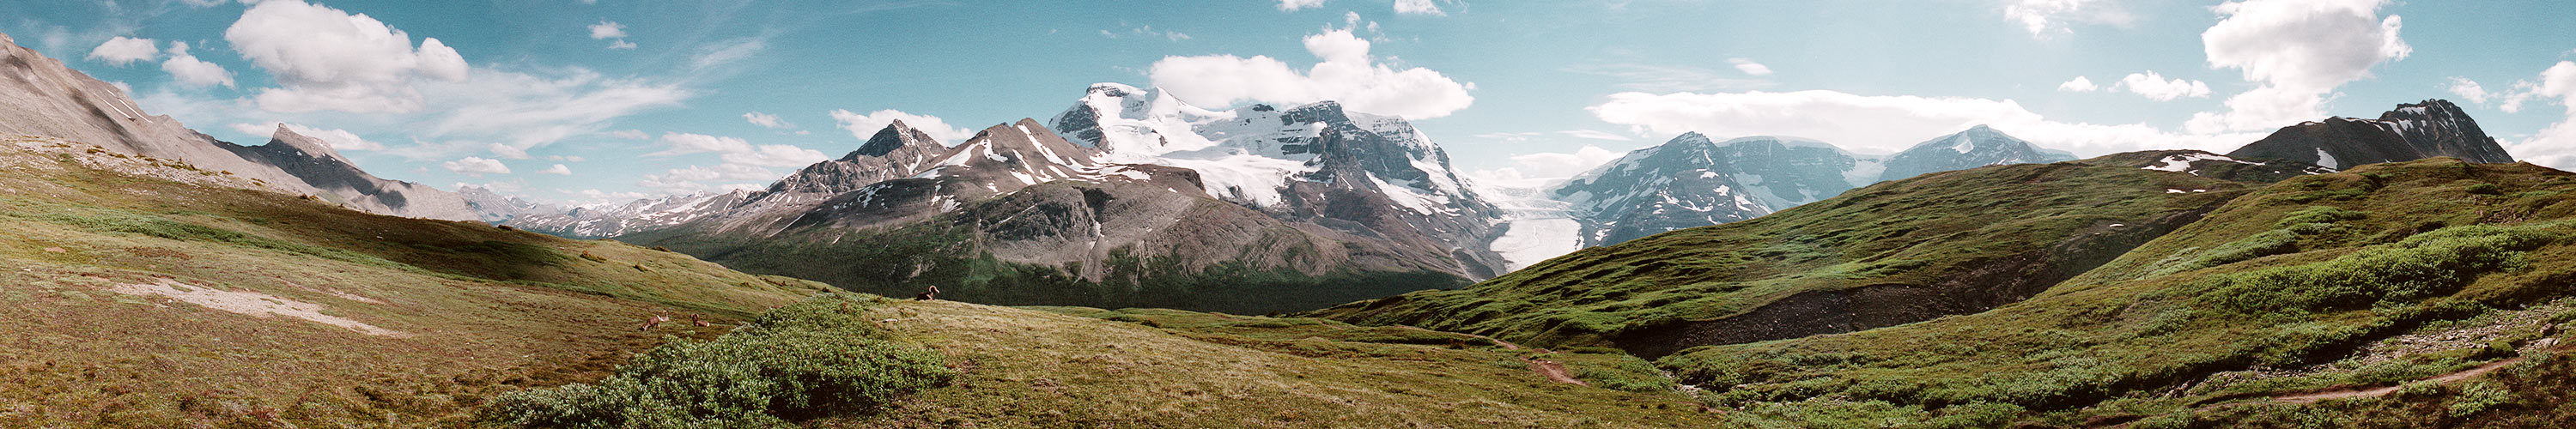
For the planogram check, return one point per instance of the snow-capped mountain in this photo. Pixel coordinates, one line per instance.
(631, 217)
(1691, 181)
(45, 98)
(2412, 131)
(1979, 146)
(1317, 162)
(497, 209)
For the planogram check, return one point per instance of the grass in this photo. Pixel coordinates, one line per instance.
(483, 311)
(1088, 367)
(1950, 231)
(815, 358)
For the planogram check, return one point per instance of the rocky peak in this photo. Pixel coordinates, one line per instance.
(308, 145)
(896, 136)
(2410, 132)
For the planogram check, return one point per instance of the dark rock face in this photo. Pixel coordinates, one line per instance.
(315, 163)
(2411, 132)
(1692, 182)
(1977, 147)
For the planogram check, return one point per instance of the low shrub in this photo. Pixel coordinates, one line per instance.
(811, 359)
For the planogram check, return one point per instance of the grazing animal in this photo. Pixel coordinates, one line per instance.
(656, 320)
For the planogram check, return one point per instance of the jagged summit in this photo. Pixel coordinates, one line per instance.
(896, 136)
(1691, 181)
(307, 144)
(2411, 131)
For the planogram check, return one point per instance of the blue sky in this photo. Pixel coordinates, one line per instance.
(640, 98)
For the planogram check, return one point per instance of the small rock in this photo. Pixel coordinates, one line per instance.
(55, 250)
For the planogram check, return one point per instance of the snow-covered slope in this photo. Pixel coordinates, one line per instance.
(1691, 181)
(1979, 146)
(1315, 162)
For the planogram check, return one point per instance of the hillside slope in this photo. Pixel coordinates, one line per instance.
(1895, 252)
(152, 293)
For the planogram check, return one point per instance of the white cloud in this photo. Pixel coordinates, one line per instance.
(1418, 7)
(630, 134)
(769, 121)
(2155, 87)
(1147, 31)
(607, 30)
(2045, 18)
(2299, 51)
(621, 44)
(1881, 124)
(1595, 135)
(1749, 67)
(735, 151)
(558, 169)
(1347, 74)
(1661, 78)
(865, 126)
(190, 71)
(476, 166)
(727, 53)
(326, 59)
(2554, 146)
(121, 51)
(685, 143)
(703, 179)
(776, 155)
(2467, 90)
(2079, 84)
(1293, 5)
(340, 140)
(506, 151)
(1562, 165)
(527, 111)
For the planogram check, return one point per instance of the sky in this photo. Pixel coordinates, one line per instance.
(599, 101)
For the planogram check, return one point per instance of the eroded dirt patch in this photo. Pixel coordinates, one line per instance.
(249, 303)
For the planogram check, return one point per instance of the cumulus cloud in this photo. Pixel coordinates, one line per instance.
(476, 166)
(607, 30)
(866, 126)
(2080, 84)
(340, 140)
(2554, 146)
(1749, 67)
(327, 59)
(769, 121)
(558, 169)
(2467, 90)
(1418, 7)
(1294, 5)
(2299, 51)
(2155, 87)
(2045, 18)
(1347, 74)
(190, 71)
(121, 51)
(1881, 124)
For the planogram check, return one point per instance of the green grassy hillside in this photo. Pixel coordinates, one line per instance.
(139, 301)
(2304, 274)
(1895, 252)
